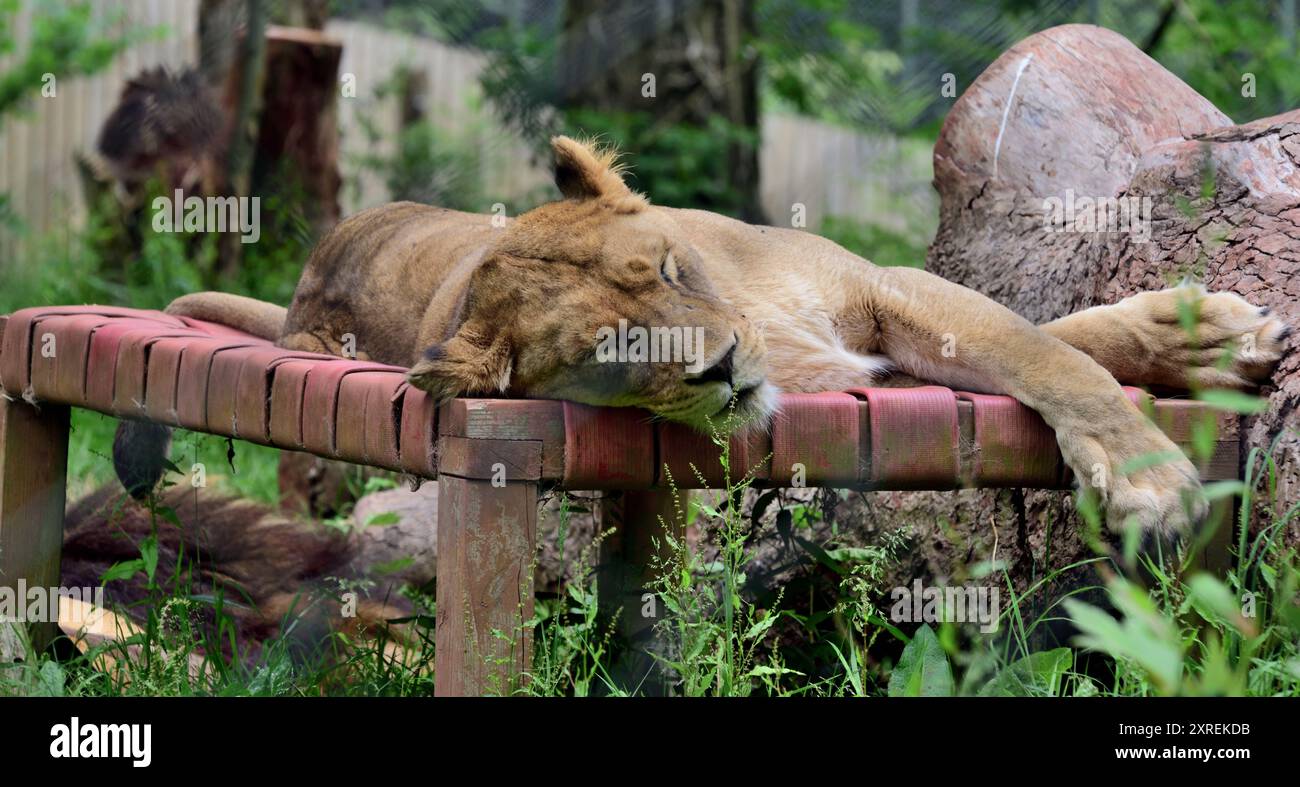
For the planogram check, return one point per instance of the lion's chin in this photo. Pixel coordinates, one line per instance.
(747, 410)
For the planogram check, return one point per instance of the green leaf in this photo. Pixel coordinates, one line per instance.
(1154, 459)
(1220, 489)
(1143, 635)
(1038, 674)
(854, 554)
(760, 628)
(51, 679)
(851, 671)
(1233, 402)
(149, 555)
(393, 566)
(765, 671)
(1214, 601)
(385, 518)
(923, 669)
(168, 513)
(124, 570)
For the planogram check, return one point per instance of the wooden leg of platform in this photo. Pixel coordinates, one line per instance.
(33, 477)
(627, 571)
(487, 536)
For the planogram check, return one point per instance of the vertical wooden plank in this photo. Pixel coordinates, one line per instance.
(487, 538)
(33, 475)
(639, 520)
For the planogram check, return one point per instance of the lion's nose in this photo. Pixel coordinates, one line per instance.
(719, 372)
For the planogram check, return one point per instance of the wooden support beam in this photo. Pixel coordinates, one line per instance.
(487, 537)
(629, 556)
(33, 475)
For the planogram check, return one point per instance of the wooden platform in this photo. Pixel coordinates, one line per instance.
(491, 455)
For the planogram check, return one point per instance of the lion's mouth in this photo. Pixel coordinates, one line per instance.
(749, 405)
(744, 399)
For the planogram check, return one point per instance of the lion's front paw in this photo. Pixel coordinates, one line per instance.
(1164, 502)
(1141, 477)
(1231, 343)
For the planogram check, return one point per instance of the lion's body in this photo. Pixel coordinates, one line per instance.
(392, 277)
(514, 306)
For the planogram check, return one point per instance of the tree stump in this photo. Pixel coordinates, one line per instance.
(1078, 113)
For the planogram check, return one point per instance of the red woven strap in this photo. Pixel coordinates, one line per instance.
(192, 384)
(689, 454)
(818, 436)
(608, 448)
(22, 339)
(914, 437)
(117, 375)
(367, 423)
(1014, 447)
(320, 412)
(418, 441)
(60, 350)
(253, 371)
(239, 388)
(1138, 397)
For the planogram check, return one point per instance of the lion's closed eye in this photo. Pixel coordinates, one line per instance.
(668, 269)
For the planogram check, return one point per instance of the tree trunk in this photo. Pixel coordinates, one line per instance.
(298, 128)
(698, 57)
(244, 90)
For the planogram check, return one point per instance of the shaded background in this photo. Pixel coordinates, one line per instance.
(763, 109)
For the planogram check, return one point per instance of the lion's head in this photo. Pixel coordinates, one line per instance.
(598, 298)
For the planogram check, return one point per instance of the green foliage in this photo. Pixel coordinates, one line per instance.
(1185, 633)
(823, 58)
(878, 244)
(106, 262)
(678, 164)
(572, 641)
(1198, 634)
(1039, 674)
(429, 164)
(712, 632)
(67, 40)
(923, 670)
(1214, 44)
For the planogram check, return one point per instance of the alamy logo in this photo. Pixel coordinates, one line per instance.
(96, 741)
(1098, 214)
(213, 214)
(949, 604)
(653, 345)
(24, 604)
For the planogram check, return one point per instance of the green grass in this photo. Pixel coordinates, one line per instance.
(250, 473)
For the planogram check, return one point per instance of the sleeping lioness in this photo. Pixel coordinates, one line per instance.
(515, 307)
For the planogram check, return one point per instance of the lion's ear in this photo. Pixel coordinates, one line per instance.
(584, 171)
(463, 366)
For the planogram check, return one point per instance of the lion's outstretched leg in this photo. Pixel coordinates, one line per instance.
(1143, 340)
(937, 330)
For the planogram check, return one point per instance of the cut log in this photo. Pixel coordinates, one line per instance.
(1078, 113)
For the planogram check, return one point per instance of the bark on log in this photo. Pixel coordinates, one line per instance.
(1079, 112)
